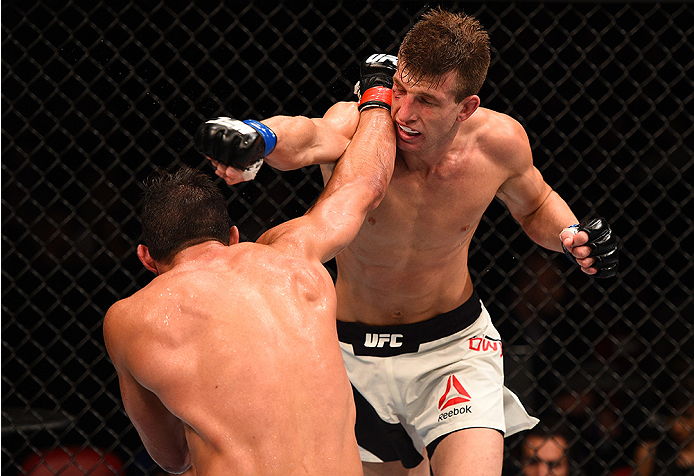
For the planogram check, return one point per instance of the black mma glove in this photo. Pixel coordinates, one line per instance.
(603, 244)
(375, 87)
(242, 145)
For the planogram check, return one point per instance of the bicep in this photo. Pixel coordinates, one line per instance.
(142, 406)
(303, 141)
(524, 193)
(523, 189)
(162, 433)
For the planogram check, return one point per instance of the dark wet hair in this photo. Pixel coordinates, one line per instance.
(181, 209)
(442, 42)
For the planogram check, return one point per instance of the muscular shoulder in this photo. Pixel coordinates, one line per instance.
(284, 262)
(120, 326)
(503, 139)
(497, 129)
(135, 316)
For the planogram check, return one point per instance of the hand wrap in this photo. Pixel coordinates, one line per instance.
(242, 145)
(375, 87)
(602, 242)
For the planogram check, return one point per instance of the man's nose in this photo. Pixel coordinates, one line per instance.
(403, 110)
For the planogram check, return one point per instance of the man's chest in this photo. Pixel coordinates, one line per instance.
(442, 204)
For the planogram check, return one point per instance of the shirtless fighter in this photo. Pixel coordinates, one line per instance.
(229, 359)
(423, 356)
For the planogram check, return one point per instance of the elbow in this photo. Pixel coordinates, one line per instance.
(363, 193)
(375, 192)
(177, 468)
(173, 462)
(380, 181)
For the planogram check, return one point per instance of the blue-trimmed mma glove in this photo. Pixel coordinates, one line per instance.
(375, 86)
(240, 144)
(602, 242)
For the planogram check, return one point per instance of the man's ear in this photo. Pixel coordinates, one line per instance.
(468, 106)
(233, 235)
(146, 259)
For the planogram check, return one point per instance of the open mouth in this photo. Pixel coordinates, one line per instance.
(408, 131)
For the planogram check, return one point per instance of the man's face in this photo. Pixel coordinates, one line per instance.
(423, 114)
(545, 457)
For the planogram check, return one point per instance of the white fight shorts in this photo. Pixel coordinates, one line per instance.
(416, 383)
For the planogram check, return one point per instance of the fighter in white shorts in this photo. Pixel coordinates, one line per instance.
(416, 383)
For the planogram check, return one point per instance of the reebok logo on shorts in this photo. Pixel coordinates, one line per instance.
(455, 393)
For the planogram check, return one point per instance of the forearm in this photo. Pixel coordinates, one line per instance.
(362, 175)
(544, 225)
(303, 141)
(359, 180)
(357, 185)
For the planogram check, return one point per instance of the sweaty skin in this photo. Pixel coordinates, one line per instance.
(264, 355)
(409, 261)
(229, 359)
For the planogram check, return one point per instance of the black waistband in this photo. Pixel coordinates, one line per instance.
(405, 338)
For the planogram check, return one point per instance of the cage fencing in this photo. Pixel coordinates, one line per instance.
(96, 95)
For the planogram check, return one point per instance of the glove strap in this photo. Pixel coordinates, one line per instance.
(376, 97)
(266, 133)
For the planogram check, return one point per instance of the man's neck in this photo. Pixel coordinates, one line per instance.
(195, 253)
(427, 162)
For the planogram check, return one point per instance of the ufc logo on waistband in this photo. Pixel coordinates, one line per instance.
(379, 340)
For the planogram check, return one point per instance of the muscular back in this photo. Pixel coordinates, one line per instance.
(235, 346)
(409, 261)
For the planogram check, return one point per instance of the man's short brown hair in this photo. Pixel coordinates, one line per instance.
(442, 42)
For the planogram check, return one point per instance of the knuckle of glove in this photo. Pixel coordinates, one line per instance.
(606, 259)
(228, 145)
(604, 246)
(380, 63)
(606, 271)
(244, 150)
(377, 70)
(375, 80)
(202, 140)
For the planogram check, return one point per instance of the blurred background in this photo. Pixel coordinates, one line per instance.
(96, 95)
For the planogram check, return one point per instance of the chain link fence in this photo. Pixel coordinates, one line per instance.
(95, 95)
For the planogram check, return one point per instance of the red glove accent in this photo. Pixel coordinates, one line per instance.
(378, 96)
